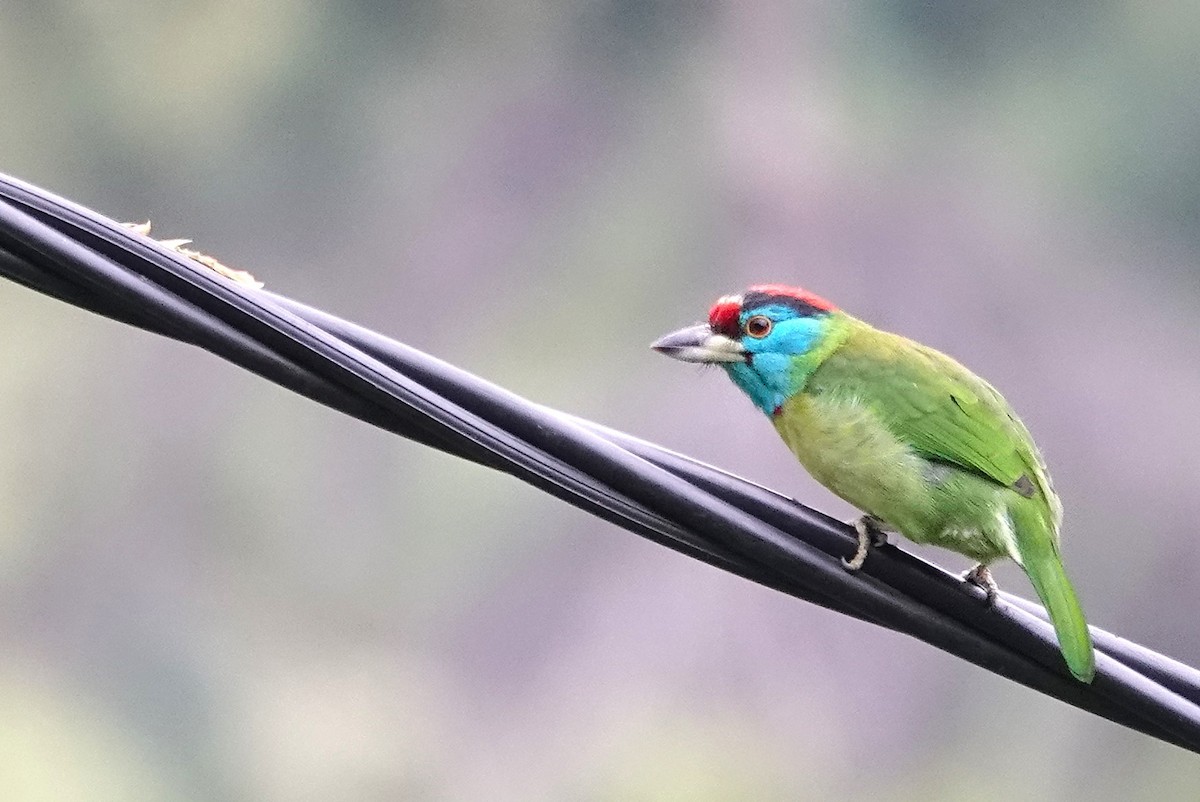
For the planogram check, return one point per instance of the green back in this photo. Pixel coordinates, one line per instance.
(944, 411)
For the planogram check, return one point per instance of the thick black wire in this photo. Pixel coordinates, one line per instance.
(83, 258)
(78, 254)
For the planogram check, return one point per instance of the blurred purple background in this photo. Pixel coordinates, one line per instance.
(212, 589)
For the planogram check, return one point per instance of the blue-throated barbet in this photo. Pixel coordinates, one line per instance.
(919, 443)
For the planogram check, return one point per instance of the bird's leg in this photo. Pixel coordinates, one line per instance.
(981, 577)
(870, 533)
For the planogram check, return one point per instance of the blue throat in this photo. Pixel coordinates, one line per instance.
(769, 388)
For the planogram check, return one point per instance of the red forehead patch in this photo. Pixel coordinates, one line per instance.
(799, 294)
(723, 317)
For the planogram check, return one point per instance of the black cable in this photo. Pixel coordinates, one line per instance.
(78, 256)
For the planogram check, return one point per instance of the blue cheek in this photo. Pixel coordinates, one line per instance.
(772, 366)
(772, 379)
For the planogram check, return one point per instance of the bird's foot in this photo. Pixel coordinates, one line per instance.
(870, 534)
(981, 577)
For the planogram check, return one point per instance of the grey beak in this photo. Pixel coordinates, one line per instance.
(700, 344)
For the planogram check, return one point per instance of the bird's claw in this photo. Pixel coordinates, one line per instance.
(981, 577)
(870, 534)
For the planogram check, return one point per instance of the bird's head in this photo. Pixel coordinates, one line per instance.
(769, 339)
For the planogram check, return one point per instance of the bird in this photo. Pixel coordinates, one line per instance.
(911, 437)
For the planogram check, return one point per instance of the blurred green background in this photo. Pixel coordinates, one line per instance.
(212, 589)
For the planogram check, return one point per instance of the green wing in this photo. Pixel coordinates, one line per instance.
(947, 413)
(940, 408)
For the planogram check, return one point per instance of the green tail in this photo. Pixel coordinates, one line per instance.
(1045, 570)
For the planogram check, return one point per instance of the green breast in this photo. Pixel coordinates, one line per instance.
(846, 447)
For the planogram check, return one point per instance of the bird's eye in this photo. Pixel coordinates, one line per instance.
(758, 326)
